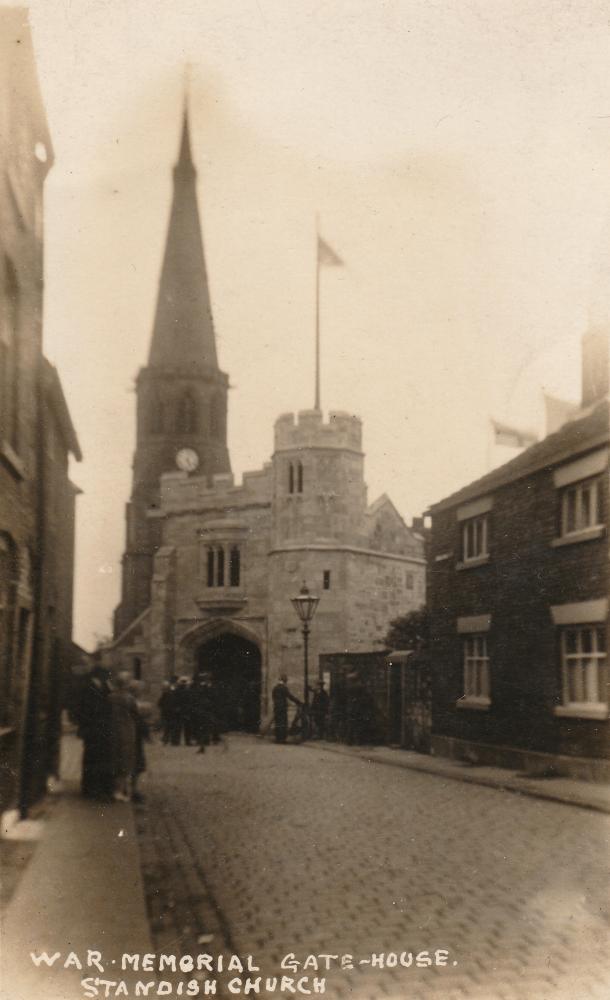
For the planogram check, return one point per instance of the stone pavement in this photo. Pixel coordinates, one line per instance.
(272, 849)
(587, 794)
(81, 890)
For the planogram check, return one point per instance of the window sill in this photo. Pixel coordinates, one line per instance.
(12, 460)
(479, 704)
(579, 536)
(472, 563)
(222, 597)
(584, 711)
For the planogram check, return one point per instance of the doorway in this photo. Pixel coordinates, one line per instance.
(235, 666)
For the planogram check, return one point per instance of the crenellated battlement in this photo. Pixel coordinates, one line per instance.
(309, 430)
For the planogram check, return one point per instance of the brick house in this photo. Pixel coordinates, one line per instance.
(518, 596)
(37, 499)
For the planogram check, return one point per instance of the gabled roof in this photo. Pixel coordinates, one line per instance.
(384, 501)
(590, 430)
(379, 503)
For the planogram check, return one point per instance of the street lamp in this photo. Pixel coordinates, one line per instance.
(305, 606)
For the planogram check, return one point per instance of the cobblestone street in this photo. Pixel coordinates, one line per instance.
(265, 850)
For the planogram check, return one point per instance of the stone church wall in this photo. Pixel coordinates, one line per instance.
(381, 587)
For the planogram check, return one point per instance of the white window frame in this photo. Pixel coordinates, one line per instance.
(581, 525)
(476, 673)
(584, 672)
(480, 525)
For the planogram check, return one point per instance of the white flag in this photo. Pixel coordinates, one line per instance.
(512, 436)
(327, 256)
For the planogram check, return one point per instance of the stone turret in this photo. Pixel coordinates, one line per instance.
(319, 490)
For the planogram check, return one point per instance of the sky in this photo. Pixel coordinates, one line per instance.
(458, 157)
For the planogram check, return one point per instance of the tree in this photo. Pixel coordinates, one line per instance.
(410, 631)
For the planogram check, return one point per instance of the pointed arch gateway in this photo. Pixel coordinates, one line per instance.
(231, 653)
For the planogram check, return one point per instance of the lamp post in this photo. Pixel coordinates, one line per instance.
(305, 606)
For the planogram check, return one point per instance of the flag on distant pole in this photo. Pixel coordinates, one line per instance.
(512, 437)
(325, 257)
(557, 412)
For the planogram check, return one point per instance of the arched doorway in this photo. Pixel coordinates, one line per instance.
(235, 666)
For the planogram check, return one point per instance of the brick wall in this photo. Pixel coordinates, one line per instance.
(524, 577)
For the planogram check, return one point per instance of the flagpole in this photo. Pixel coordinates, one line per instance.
(317, 376)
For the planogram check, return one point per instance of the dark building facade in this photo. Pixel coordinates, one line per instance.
(181, 393)
(37, 500)
(518, 594)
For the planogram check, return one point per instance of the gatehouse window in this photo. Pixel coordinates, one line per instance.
(220, 567)
(234, 566)
(326, 579)
(295, 477)
(223, 566)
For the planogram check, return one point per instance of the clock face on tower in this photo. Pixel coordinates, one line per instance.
(187, 459)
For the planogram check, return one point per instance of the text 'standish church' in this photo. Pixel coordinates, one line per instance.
(209, 566)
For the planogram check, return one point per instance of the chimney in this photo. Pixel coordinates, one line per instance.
(595, 366)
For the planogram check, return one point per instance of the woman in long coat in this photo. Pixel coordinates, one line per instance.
(124, 737)
(95, 730)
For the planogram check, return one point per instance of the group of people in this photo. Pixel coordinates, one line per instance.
(312, 722)
(189, 711)
(112, 723)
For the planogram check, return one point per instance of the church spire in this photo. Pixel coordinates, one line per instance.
(185, 165)
(183, 332)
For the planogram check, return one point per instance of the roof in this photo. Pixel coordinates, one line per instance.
(385, 501)
(57, 401)
(580, 434)
(133, 626)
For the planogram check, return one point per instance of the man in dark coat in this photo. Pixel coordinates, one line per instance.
(204, 712)
(281, 696)
(182, 711)
(166, 705)
(95, 730)
(319, 709)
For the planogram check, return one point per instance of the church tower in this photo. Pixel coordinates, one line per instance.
(181, 393)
